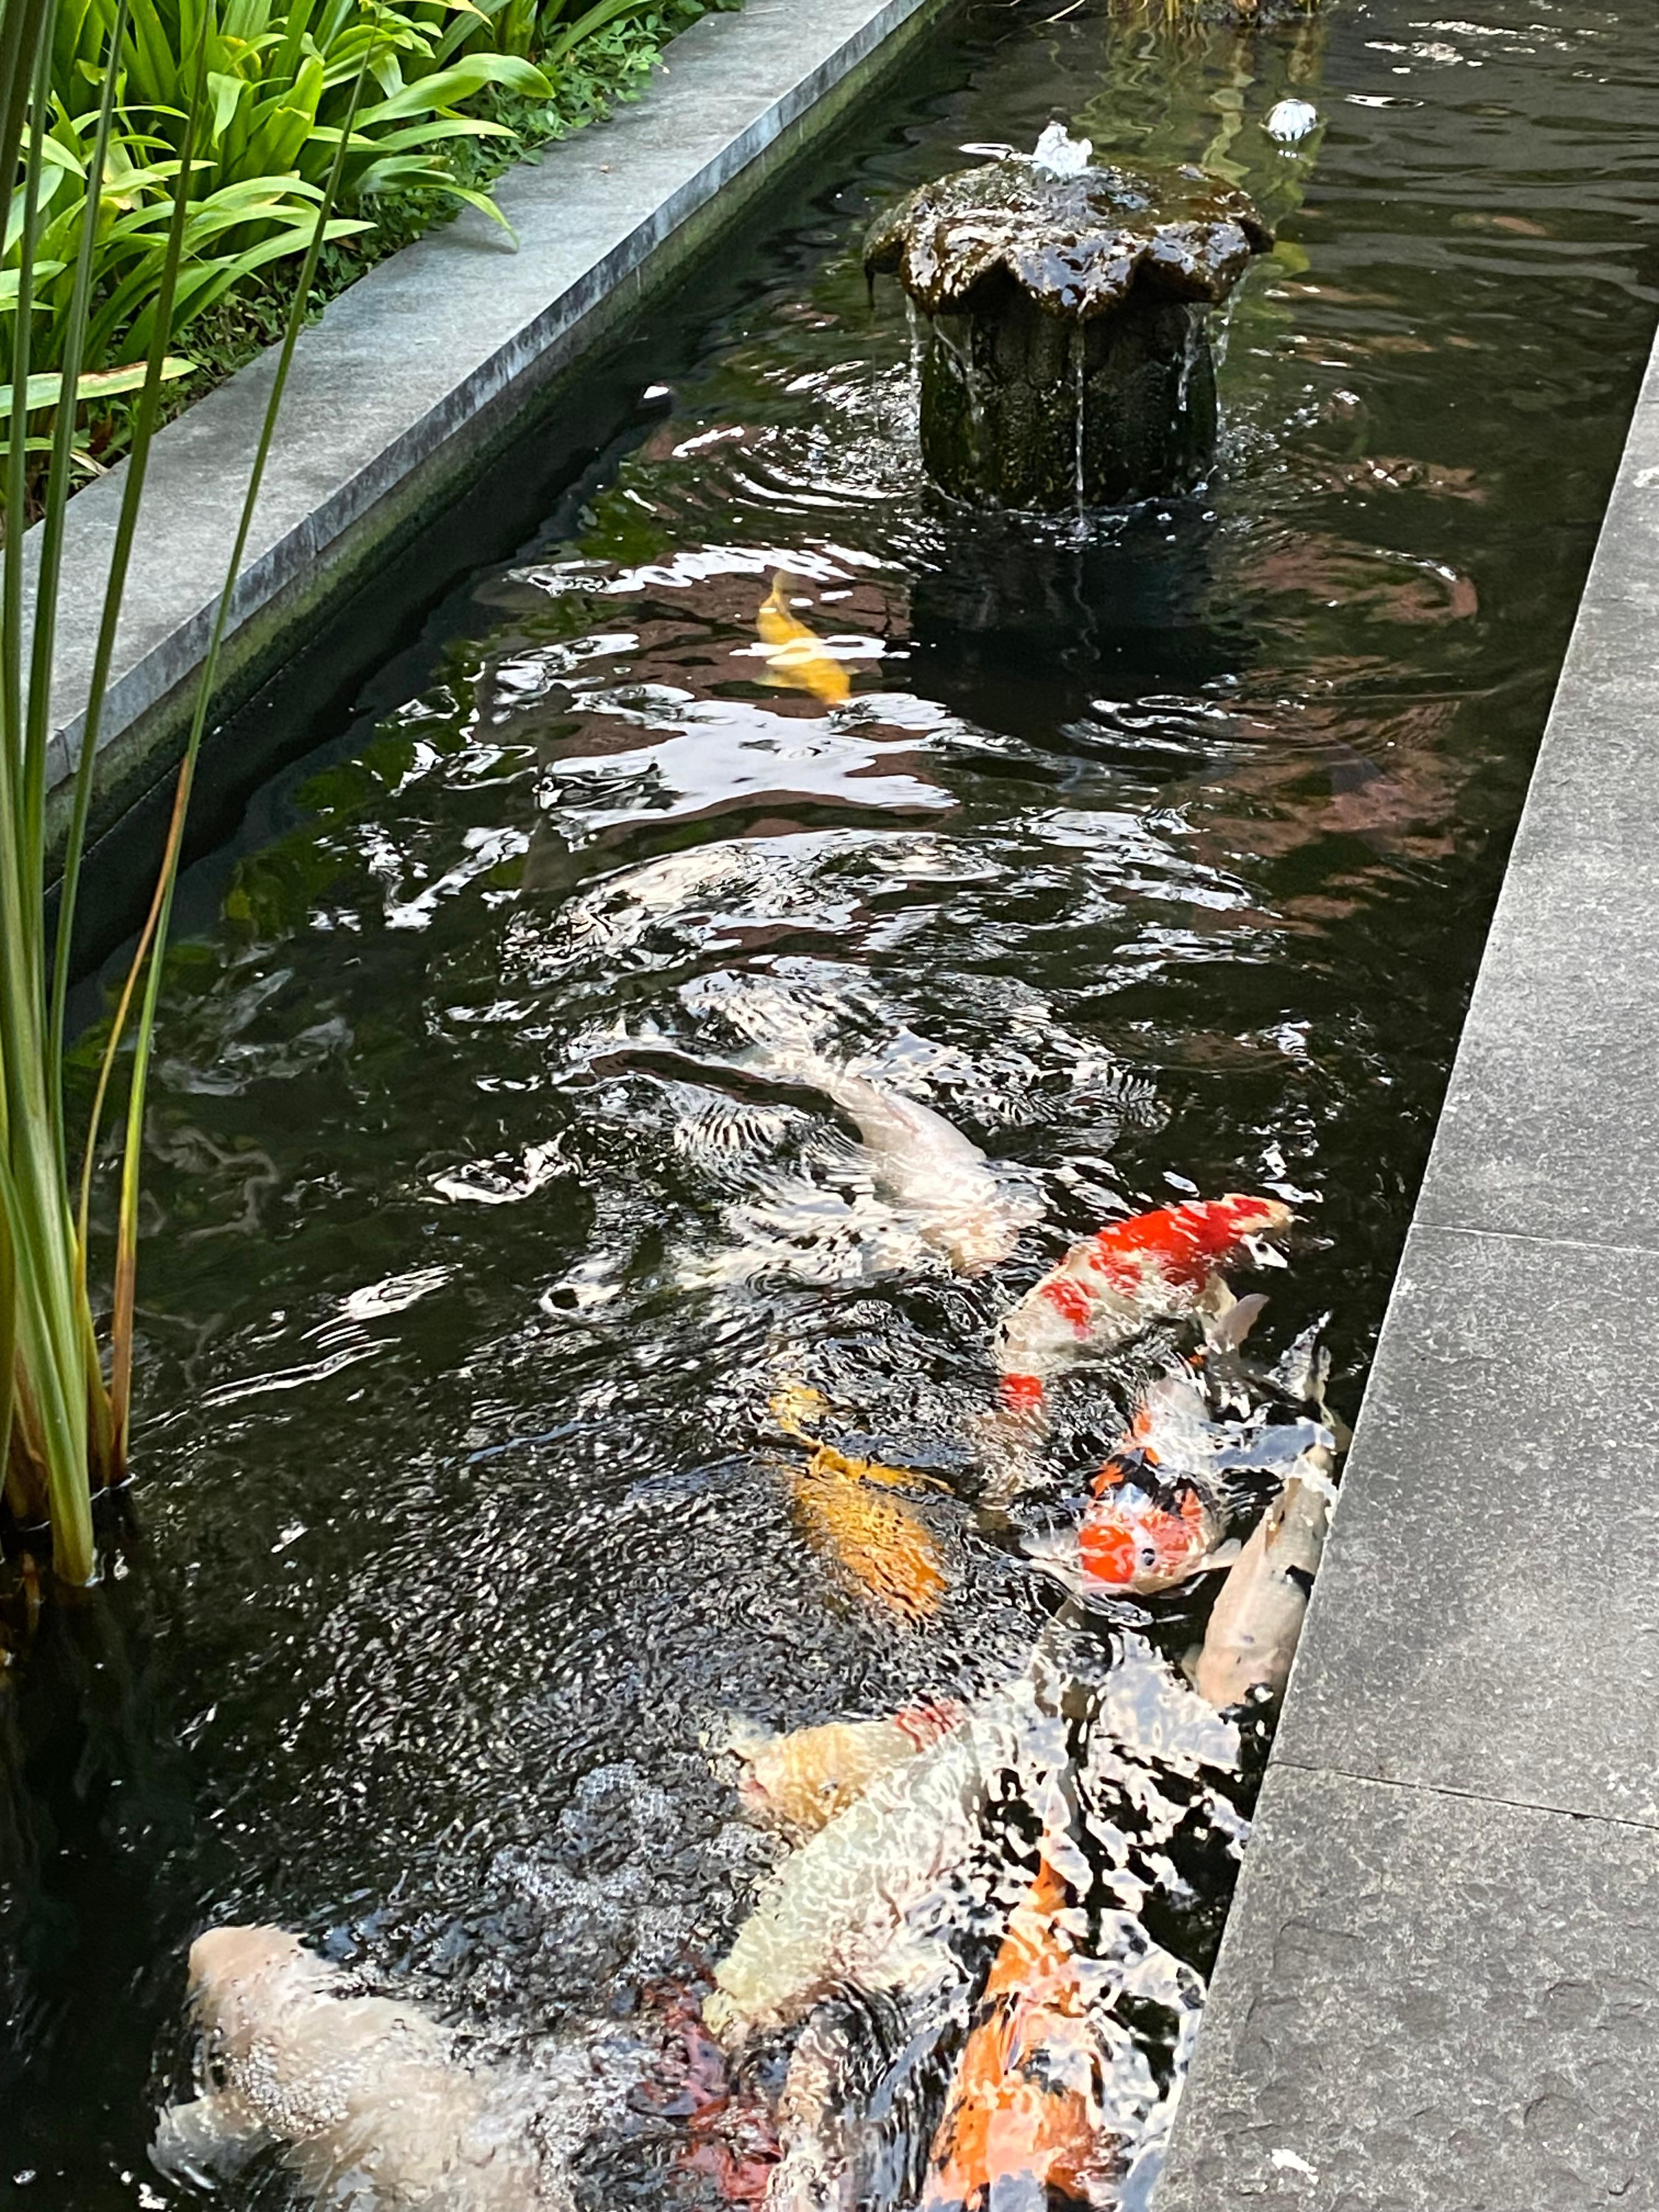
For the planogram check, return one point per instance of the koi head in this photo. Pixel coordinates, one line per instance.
(225, 1962)
(1252, 1217)
(1140, 1535)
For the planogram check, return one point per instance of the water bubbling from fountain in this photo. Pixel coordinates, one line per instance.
(1057, 154)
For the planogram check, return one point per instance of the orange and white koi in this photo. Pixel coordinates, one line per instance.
(795, 657)
(1159, 1513)
(799, 1782)
(1155, 1265)
(1025, 2114)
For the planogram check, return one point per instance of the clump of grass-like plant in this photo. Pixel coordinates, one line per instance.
(65, 1388)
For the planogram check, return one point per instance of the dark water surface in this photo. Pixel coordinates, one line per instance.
(1155, 851)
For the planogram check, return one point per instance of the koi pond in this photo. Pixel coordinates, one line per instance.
(526, 1285)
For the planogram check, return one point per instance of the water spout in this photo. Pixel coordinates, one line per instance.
(1078, 408)
(1290, 121)
(1057, 154)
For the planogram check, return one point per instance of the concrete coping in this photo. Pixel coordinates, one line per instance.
(1439, 1986)
(421, 370)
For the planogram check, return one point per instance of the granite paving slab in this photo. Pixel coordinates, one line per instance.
(1428, 2003)
(1486, 1620)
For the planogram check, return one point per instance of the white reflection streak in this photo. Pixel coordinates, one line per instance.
(292, 1378)
(542, 1166)
(393, 1293)
(488, 849)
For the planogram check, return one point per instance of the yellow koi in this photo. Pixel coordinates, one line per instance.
(800, 1780)
(794, 655)
(878, 1542)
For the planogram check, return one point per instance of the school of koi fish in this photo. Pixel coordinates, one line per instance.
(868, 1949)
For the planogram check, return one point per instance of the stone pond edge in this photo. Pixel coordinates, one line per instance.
(1389, 2023)
(426, 369)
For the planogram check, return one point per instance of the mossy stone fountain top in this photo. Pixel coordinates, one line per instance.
(1075, 240)
(1068, 360)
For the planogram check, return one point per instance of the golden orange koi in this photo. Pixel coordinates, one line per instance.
(796, 1404)
(795, 657)
(1023, 2114)
(879, 1543)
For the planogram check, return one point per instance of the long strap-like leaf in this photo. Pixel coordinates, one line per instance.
(19, 920)
(7, 1339)
(52, 539)
(132, 489)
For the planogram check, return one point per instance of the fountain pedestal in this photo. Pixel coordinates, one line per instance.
(1068, 359)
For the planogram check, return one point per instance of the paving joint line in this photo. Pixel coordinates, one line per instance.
(1533, 1236)
(1468, 1796)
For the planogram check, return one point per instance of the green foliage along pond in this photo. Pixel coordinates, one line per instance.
(457, 90)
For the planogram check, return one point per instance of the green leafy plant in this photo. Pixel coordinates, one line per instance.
(63, 1415)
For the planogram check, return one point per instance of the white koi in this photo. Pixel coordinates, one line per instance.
(919, 1161)
(1256, 1622)
(350, 2086)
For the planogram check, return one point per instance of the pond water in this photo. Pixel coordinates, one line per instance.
(1155, 850)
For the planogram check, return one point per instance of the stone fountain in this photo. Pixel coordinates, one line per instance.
(1067, 360)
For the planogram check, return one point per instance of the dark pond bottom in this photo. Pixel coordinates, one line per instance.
(1154, 850)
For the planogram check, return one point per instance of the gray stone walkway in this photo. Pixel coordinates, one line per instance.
(1439, 1987)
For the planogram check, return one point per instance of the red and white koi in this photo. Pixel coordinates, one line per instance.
(1156, 1266)
(1159, 1511)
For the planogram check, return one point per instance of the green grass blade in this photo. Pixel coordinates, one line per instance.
(58, 487)
(8, 1347)
(23, 915)
(132, 492)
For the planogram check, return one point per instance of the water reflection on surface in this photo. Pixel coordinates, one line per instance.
(1153, 851)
